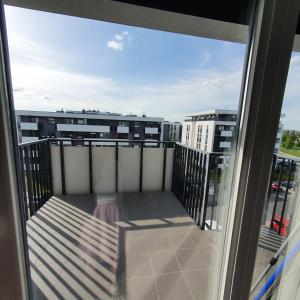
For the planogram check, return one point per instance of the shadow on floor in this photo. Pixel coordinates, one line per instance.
(120, 246)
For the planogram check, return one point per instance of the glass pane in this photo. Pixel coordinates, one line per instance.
(127, 140)
(276, 273)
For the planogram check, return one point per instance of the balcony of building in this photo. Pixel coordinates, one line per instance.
(115, 221)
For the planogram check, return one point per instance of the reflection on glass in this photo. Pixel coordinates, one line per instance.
(276, 273)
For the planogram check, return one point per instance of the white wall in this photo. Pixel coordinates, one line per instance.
(103, 161)
(183, 136)
(211, 134)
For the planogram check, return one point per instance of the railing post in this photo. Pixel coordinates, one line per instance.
(91, 167)
(277, 192)
(141, 165)
(286, 194)
(29, 182)
(264, 218)
(22, 181)
(205, 193)
(164, 168)
(117, 167)
(49, 169)
(62, 168)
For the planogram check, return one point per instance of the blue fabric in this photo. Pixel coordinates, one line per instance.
(290, 256)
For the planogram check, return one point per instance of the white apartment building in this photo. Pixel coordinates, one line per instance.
(210, 131)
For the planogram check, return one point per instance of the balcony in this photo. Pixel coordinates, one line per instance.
(122, 129)
(115, 221)
(151, 130)
(83, 128)
(28, 126)
(226, 133)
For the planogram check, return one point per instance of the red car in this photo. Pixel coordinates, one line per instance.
(284, 226)
(275, 187)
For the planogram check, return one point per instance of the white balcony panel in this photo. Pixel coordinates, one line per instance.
(226, 133)
(225, 144)
(129, 169)
(28, 139)
(77, 169)
(28, 126)
(123, 129)
(150, 130)
(104, 162)
(136, 135)
(83, 128)
(56, 171)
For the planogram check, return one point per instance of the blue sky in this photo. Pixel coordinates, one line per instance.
(72, 63)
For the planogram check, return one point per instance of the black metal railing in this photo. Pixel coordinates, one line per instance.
(195, 174)
(281, 183)
(36, 175)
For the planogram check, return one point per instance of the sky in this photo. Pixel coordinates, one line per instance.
(72, 63)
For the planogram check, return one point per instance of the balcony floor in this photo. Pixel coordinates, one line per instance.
(119, 246)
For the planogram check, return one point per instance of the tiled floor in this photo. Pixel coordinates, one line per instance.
(119, 246)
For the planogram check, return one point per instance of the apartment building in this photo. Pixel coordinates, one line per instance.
(34, 125)
(210, 131)
(172, 131)
(279, 134)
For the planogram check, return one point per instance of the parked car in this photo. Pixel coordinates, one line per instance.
(284, 225)
(289, 185)
(275, 186)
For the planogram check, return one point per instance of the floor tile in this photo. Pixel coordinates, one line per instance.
(136, 245)
(141, 289)
(119, 246)
(158, 242)
(190, 259)
(210, 255)
(180, 241)
(201, 238)
(164, 262)
(137, 265)
(200, 283)
(173, 287)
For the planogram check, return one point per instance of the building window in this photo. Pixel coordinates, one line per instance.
(199, 135)
(51, 121)
(124, 123)
(206, 138)
(187, 135)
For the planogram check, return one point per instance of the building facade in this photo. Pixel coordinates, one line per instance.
(34, 125)
(172, 131)
(213, 130)
(210, 131)
(279, 134)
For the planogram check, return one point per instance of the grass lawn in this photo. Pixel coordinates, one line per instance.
(294, 152)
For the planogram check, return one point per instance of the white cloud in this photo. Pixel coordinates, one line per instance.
(118, 37)
(124, 32)
(115, 45)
